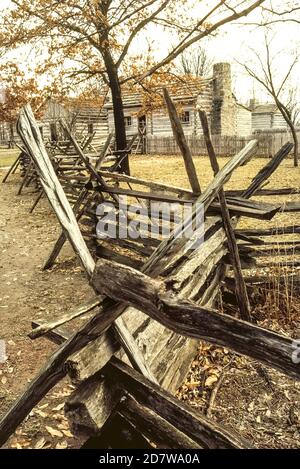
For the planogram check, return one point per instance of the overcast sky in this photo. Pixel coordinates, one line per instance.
(231, 44)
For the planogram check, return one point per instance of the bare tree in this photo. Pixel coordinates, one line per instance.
(293, 103)
(99, 35)
(279, 86)
(195, 62)
(276, 12)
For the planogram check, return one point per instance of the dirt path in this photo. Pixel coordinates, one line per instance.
(27, 293)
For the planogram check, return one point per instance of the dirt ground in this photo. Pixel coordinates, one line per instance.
(268, 415)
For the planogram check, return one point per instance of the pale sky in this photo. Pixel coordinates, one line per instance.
(231, 44)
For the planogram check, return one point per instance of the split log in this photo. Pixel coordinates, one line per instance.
(267, 192)
(240, 206)
(201, 203)
(29, 132)
(81, 198)
(186, 318)
(146, 183)
(241, 291)
(289, 207)
(153, 426)
(181, 142)
(159, 197)
(197, 427)
(273, 164)
(49, 326)
(277, 230)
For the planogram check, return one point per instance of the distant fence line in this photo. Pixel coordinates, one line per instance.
(268, 144)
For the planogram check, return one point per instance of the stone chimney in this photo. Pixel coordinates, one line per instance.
(222, 80)
(224, 105)
(252, 104)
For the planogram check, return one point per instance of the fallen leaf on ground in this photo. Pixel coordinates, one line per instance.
(58, 407)
(68, 433)
(210, 380)
(40, 443)
(62, 445)
(41, 413)
(53, 432)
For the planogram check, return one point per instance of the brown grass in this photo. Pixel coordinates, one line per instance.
(170, 169)
(7, 156)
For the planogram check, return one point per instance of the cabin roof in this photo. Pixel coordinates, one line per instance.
(187, 91)
(80, 112)
(267, 108)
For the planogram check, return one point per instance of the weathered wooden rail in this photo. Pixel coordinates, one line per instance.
(154, 317)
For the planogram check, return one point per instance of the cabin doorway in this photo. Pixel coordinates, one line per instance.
(53, 132)
(142, 127)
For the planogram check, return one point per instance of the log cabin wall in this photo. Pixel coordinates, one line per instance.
(157, 121)
(83, 120)
(8, 134)
(131, 119)
(89, 121)
(243, 122)
(266, 117)
(213, 95)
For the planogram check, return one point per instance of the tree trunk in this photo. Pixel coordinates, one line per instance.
(118, 109)
(287, 117)
(11, 136)
(296, 145)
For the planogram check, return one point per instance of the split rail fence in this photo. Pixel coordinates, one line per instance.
(154, 297)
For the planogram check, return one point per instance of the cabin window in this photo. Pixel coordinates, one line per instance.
(90, 128)
(128, 121)
(185, 117)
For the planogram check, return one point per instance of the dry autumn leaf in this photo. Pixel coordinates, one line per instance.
(210, 380)
(251, 406)
(58, 407)
(62, 445)
(53, 432)
(63, 426)
(41, 413)
(40, 443)
(68, 433)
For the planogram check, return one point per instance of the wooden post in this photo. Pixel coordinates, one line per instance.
(241, 290)
(182, 143)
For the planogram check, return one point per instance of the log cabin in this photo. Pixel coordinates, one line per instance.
(82, 120)
(213, 94)
(266, 116)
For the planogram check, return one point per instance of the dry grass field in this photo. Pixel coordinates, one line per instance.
(7, 157)
(170, 170)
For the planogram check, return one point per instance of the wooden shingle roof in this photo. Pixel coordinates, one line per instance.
(185, 91)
